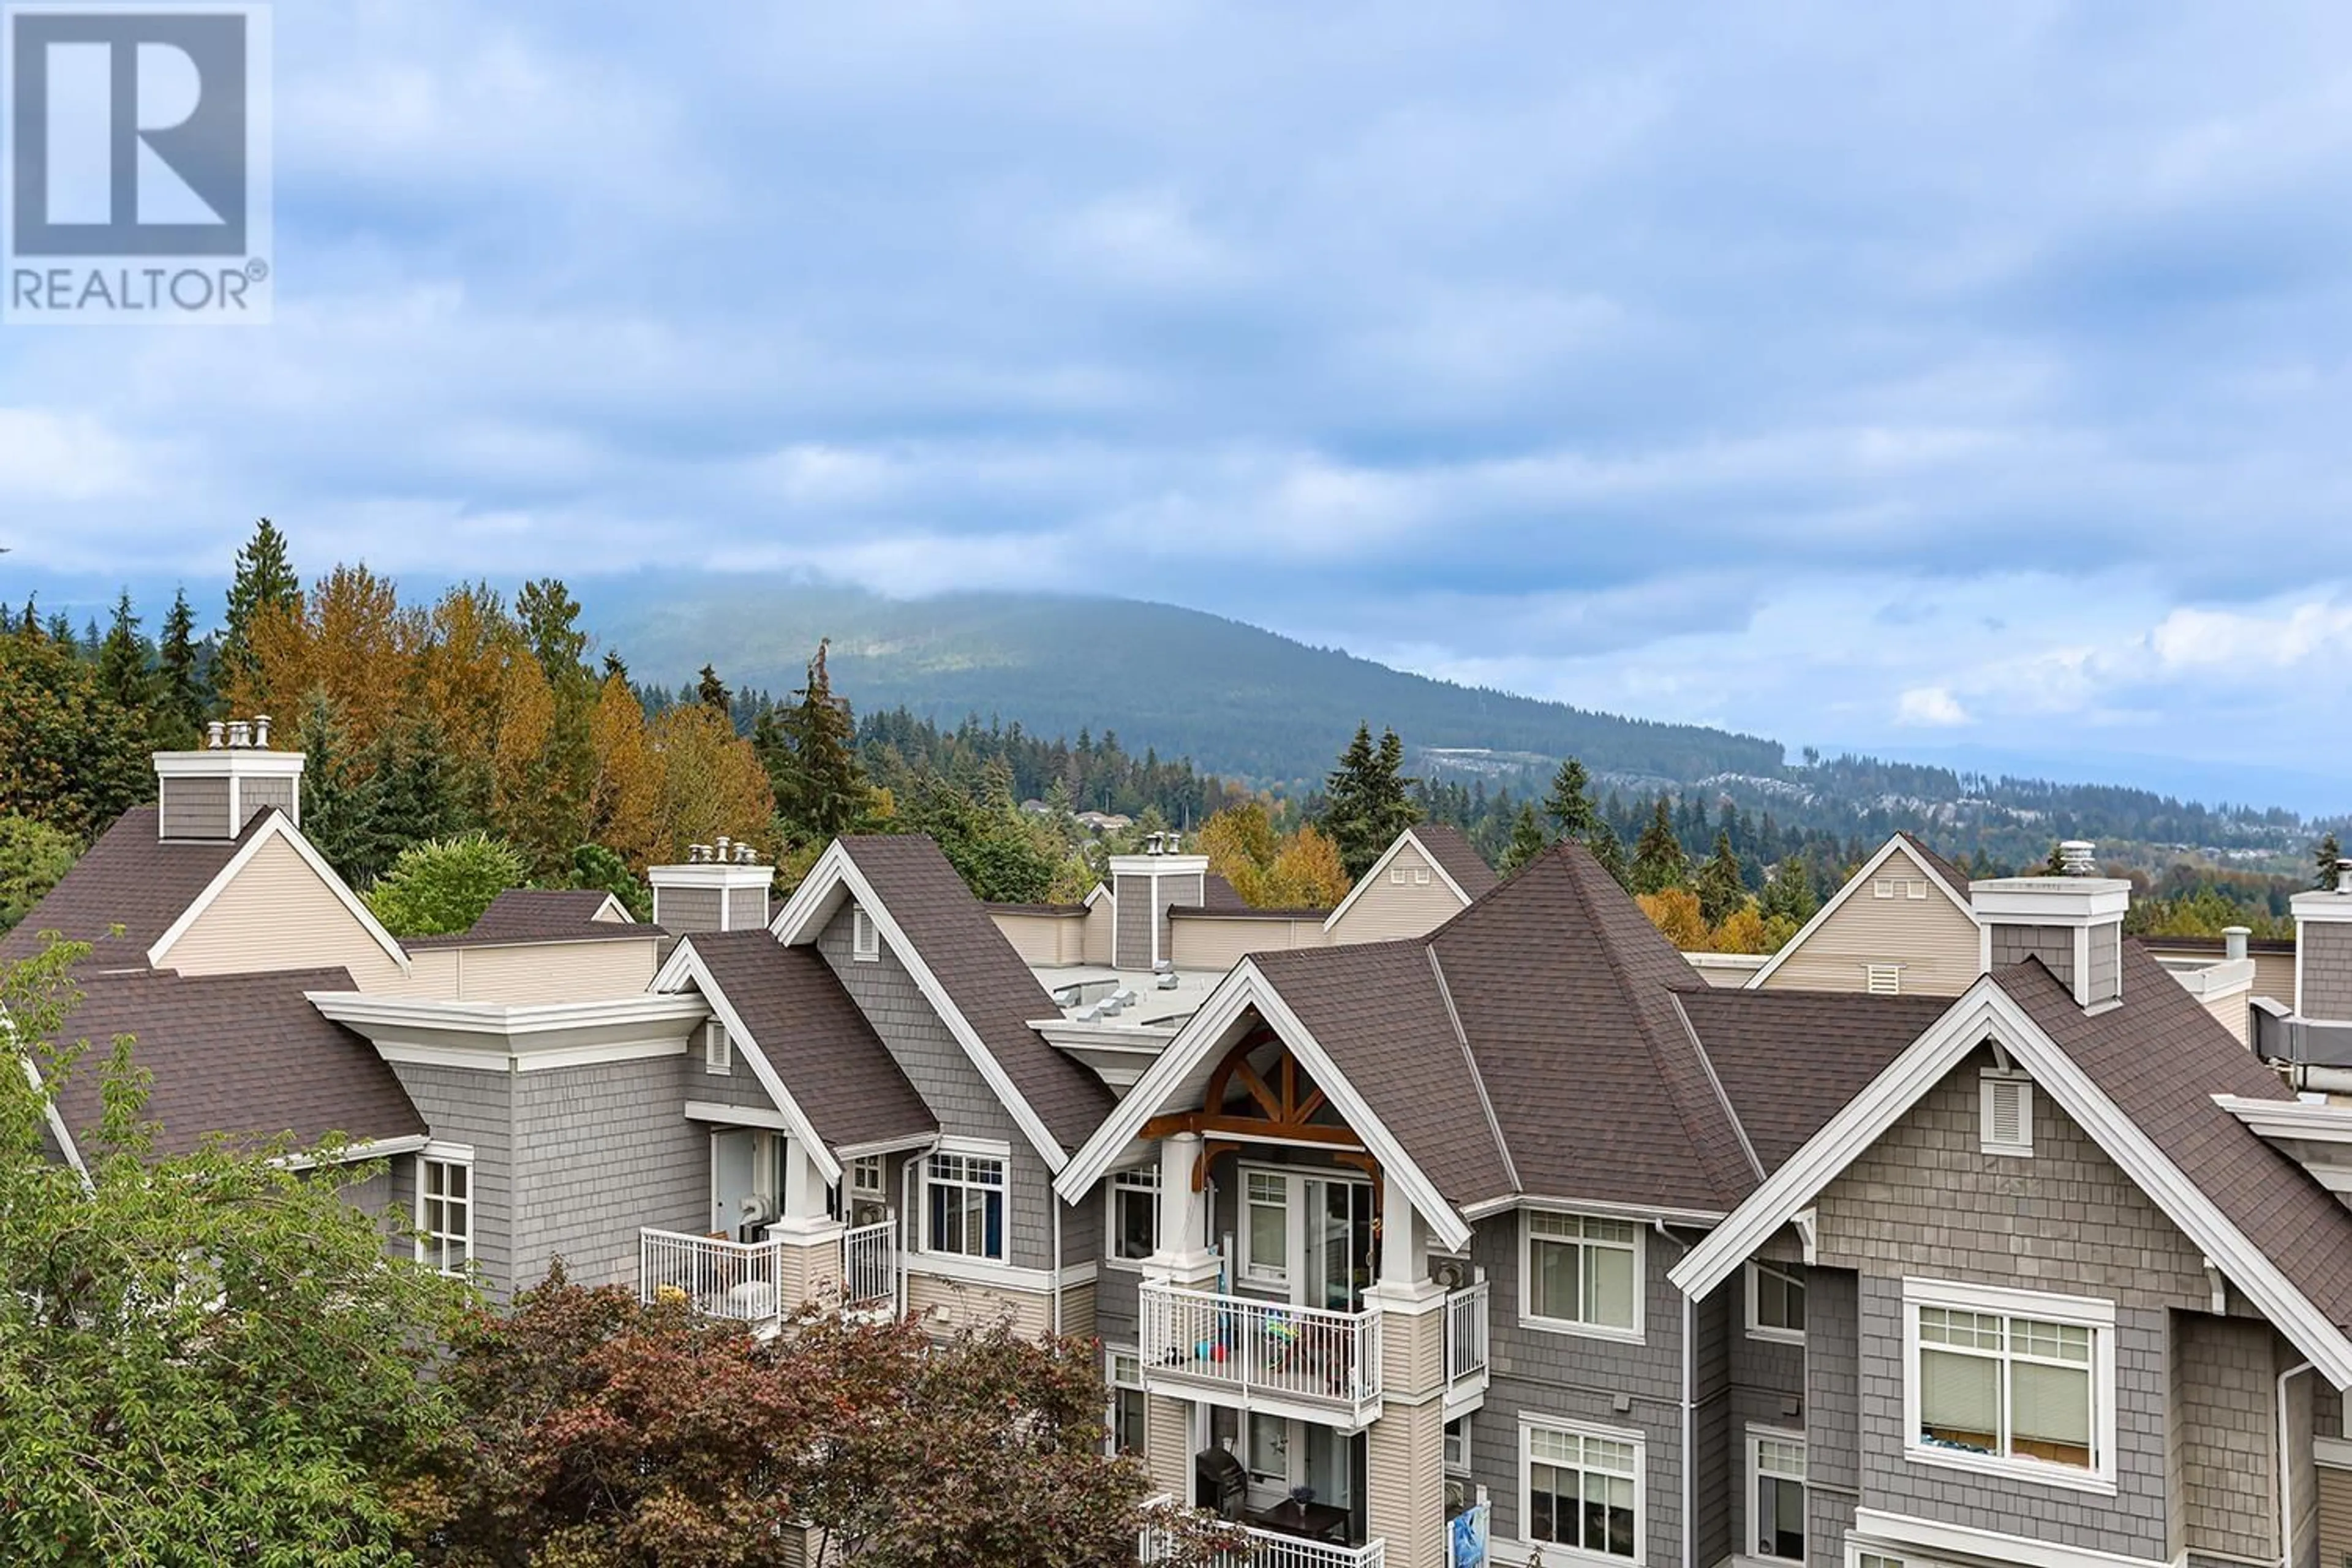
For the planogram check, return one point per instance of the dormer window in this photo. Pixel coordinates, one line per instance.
(864, 942)
(718, 1048)
(2007, 1113)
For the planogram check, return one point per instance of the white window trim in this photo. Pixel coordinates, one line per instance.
(1447, 1463)
(1253, 1270)
(1882, 888)
(1755, 1437)
(1004, 1188)
(1552, 1549)
(1756, 1331)
(440, 1153)
(717, 1049)
(1421, 875)
(860, 1165)
(1985, 1080)
(1112, 1186)
(1529, 1319)
(2081, 1312)
(1297, 1265)
(864, 936)
(1396, 875)
(1112, 1357)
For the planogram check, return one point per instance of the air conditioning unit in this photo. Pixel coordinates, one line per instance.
(1451, 1272)
(868, 1211)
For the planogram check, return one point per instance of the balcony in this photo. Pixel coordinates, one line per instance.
(762, 1282)
(1465, 1350)
(1230, 1349)
(1269, 1549)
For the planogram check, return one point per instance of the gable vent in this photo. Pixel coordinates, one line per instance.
(2008, 1114)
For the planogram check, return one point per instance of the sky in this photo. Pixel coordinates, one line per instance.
(1932, 380)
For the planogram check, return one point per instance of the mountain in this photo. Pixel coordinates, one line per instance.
(1236, 700)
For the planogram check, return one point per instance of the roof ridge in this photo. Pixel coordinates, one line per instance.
(1470, 1059)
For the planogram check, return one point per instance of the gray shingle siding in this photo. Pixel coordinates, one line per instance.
(2053, 946)
(740, 1086)
(603, 1150)
(928, 1054)
(254, 794)
(1131, 934)
(2106, 963)
(195, 807)
(684, 911)
(1832, 1411)
(468, 1105)
(2327, 969)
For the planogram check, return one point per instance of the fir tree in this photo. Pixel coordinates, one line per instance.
(265, 580)
(1609, 850)
(1721, 892)
(2323, 863)
(1368, 799)
(1659, 862)
(711, 692)
(1570, 804)
(1528, 839)
(122, 673)
(615, 665)
(334, 811)
(408, 798)
(810, 752)
(61, 633)
(1788, 892)
(551, 623)
(181, 700)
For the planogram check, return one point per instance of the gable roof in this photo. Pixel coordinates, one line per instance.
(1945, 876)
(1456, 856)
(131, 879)
(244, 1055)
(795, 1012)
(985, 994)
(522, 915)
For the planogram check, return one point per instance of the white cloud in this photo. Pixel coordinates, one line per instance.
(1932, 706)
(2279, 637)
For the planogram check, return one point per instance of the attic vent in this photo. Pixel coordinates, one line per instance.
(2008, 1102)
(717, 1049)
(1883, 979)
(865, 943)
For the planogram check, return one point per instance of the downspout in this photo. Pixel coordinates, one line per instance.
(907, 1216)
(1055, 1199)
(1689, 1378)
(2286, 1475)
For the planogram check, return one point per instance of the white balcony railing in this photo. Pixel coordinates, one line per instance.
(1262, 1349)
(720, 1278)
(1465, 1335)
(869, 1266)
(1269, 1549)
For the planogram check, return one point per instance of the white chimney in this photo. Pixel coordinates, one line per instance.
(2323, 950)
(213, 793)
(721, 887)
(2074, 924)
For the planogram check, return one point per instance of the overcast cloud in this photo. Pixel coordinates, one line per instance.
(1891, 375)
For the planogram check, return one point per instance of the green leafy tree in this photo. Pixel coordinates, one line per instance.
(33, 857)
(203, 1357)
(1659, 863)
(265, 580)
(181, 697)
(1001, 858)
(444, 884)
(1528, 839)
(1721, 892)
(1368, 799)
(810, 749)
(69, 755)
(595, 867)
(2324, 859)
(123, 670)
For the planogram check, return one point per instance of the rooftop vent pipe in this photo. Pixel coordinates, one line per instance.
(2079, 857)
(215, 736)
(2344, 875)
(240, 735)
(261, 732)
(2233, 941)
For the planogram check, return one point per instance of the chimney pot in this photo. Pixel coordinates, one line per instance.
(261, 732)
(240, 735)
(2344, 875)
(215, 736)
(2079, 856)
(2233, 941)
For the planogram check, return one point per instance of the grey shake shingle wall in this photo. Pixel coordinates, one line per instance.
(255, 793)
(949, 1083)
(1131, 936)
(1832, 1412)
(740, 1086)
(195, 807)
(602, 1151)
(2327, 969)
(2225, 1415)
(465, 1105)
(680, 910)
(2107, 962)
(2053, 946)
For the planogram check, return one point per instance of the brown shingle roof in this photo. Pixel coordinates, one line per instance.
(131, 879)
(522, 915)
(835, 1067)
(2162, 1057)
(1790, 1060)
(1462, 861)
(1951, 876)
(239, 1054)
(983, 976)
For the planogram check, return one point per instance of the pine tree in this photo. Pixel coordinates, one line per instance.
(712, 694)
(1659, 862)
(810, 750)
(551, 623)
(1609, 850)
(265, 580)
(615, 665)
(333, 809)
(2323, 863)
(408, 798)
(122, 673)
(1369, 800)
(1570, 804)
(181, 700)
(61, 633)
(1528, 839)
(1788, 892)
(1721, 893)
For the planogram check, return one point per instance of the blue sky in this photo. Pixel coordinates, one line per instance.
(1910, 378)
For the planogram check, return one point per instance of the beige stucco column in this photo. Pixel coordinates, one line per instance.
(1404, 1449)
(1184, 1261)
(808, 1240)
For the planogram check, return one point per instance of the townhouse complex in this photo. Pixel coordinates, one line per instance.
(1966, 1230)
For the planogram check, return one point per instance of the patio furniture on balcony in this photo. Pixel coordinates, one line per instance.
(1231, 1349)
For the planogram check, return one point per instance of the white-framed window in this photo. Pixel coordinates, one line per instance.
(1883, 979)
(865, 1176)
(2007, 1109)
(1265, 1228)
(1775, 1301)
(963, 1208)
(1860, 1556)
(1776, 1495)
(1580, 1273)
(864, 942)
(1458, 1445)
(1883, 887)
(1914, 890)
(718, 1048)
(1421, 875)
(1396, 875)
(1125, 1426)
(445, 1208)
(2010, 1381)
(1134, 1214)
(1580, 1487)
(1269, 1452)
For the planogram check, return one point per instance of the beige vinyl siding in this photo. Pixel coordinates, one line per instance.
(1030, 1312)
(1386, 910)
(1932, 939)
(2231, 1011)
(2335, 1514)
(1095, 939)
(535, 971)
(2274, 976)
(277, 913)
(1079, 1311)
(1208, 942)
(1041, 940)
